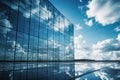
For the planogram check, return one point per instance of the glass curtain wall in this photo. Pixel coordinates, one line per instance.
(34, 30)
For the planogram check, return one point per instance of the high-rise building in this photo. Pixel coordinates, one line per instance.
(34, 30)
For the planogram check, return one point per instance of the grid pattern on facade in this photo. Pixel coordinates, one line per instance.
(34, 30)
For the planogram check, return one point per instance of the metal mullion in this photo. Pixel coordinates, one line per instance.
(28, 42)
(16, 40)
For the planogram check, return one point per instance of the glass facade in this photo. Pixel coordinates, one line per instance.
(34, 30)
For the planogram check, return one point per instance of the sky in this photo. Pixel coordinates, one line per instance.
(96, 27)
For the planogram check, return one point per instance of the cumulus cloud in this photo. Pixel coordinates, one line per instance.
(89, 23)
(51, 42)
(5, 23)
(107, 45)
(68, 49)
(81, 50)
(26, 5)
(78, 27)
(21, 52)
(118, 37)
(81, 0)
(24, 8)
(82, 53)
(45, 13)
(117, 29)
(53, 45)
(109, 73)
(104, 72)
(5, 30)
(62, 24)
(19, 49)
(82, 68)
(102, 75)
(104, 11)
(107, 49)
(78, 41)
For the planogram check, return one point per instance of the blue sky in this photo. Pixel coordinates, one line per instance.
(71, 9)
(97, 25)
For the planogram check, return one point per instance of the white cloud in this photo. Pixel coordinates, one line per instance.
(118, 37)
(86, 79)
(81, 68)
(104, 11)
(81, 0)
(5, 23)
(81, 51)
(67, 49)
(78, 27)
(108, 49)
(79, 41)
(21, 52)
(45, 13)
(117, 29)
(19, 49)
(104, 72)
(52, 42)
(64, 23)
(102, 75)
(89, 22)
(35, 9)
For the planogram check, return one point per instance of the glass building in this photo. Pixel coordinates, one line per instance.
(34, 30)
